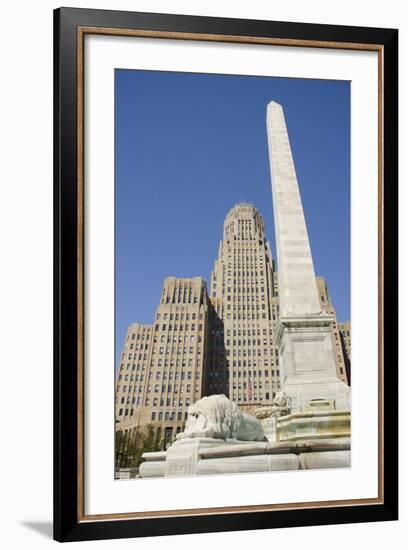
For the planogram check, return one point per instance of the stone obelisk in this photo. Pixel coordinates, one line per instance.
(303, 336)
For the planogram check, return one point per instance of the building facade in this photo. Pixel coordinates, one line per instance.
(225, 343)
(344, 329)
(162, 365)
(345, 337)
(244, 293)
(340, 357)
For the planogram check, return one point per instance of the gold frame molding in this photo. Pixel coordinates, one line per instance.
(82, 32)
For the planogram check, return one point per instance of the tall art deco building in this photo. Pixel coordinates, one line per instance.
(242, 361)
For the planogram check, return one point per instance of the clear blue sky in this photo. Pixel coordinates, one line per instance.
(190, 146)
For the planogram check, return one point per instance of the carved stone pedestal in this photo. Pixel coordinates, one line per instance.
(183, 456)
(311, 425)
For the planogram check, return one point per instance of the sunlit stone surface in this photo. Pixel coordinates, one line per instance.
(307, 358)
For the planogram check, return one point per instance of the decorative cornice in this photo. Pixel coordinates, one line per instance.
(298, 321)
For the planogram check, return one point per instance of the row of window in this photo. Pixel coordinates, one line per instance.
(238, 261)
(178, 316)
(163, 402)
(247, 299)
(248, 264)
(246, 290)
(236, 258)
(255, 385)
(133, 367)
(139, 336)
(247, 352)
(246, 273)
(157, 416)
(162, 351)
(237, 284)
(253, 397)
(244, 235)
(251, 363)
(178, 351)
(163, 389)
(169, 416)
(255, 332)
(247, 248)
(135, 356)
(176, 362)
(244, 374)
(245, 342)
(254, 316)
(180, 299)
(139, 347)
(245, 307)
(185, 338)
(160, 362)
(166, 375)
(166, 327)
(229, 258)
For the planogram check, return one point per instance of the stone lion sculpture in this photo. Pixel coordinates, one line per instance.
(280, 406)
(218, 417)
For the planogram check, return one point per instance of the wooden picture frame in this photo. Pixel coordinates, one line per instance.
(70, 28)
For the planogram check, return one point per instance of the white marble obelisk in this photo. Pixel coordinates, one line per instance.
(307, 359)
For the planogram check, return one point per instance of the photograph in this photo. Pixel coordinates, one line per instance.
(232, 274)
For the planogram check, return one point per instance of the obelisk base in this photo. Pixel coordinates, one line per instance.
(307, 362)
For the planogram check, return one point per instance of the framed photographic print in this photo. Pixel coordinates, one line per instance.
(225, 235)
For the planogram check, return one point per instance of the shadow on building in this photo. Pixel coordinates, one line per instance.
(216, 375)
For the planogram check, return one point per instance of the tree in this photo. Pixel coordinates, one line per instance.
(130, 446)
